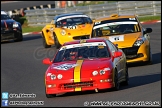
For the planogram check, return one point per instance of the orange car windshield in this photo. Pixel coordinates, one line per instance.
(74, 21)
(115, 27)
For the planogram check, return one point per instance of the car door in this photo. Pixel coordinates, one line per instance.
(122, 62)
(117, 61)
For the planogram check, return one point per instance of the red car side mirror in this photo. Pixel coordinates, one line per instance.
(117, 54)
(47, 61)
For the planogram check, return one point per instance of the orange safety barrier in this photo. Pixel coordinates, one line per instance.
(63, 4)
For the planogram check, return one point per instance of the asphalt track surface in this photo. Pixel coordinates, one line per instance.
(22, 71)
(7, 6)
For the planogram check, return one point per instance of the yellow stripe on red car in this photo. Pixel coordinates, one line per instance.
(77, 73)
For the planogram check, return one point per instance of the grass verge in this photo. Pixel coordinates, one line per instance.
(149, 18)
(27, 28)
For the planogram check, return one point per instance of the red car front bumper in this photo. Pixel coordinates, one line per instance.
(63, 86)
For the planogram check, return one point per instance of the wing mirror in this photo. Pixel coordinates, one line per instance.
(117, 54)
(148, 30)
(13, 17)
(54, 25)
(47, 61)
(116, 46)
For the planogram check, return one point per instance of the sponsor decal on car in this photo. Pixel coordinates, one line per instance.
(65, 17)
(65, 66)
(114, 23)
(83, 44)
(116, 38)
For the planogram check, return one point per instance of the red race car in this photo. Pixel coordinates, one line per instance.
(82, 65)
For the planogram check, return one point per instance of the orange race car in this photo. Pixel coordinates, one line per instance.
(66, 27)
(128, 33)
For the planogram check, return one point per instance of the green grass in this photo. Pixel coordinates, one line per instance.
(149, 18)
(27, 28)
(32, 29)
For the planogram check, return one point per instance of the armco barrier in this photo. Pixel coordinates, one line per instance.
(40, 17)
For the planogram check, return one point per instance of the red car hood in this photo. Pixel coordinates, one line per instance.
(80, 67)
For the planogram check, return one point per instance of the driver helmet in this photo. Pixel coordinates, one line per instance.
(73, 54)
(63, 22)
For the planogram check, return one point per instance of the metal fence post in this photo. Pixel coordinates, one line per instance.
(89, 10)
(73, 3)
(103, 12)
(118, 9)
(56, 2)
(40, 17)
(135, 8)
(65, 11)
(153, 6)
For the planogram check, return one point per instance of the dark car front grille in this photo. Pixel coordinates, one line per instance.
(6, 29)
(81, 37)
(78, 84)
(8, 26)
(131, 52)
(134, 56)
(6, 36)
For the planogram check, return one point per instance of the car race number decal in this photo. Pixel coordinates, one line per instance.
(116, 38)
(132, 19)
(65, 66)
(97, 22)
(72, 27)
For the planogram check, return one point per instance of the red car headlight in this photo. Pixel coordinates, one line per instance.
(102, 72)
(53, 77)
(94, 73)
(59, 76)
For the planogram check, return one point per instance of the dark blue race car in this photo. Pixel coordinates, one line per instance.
(10, 29)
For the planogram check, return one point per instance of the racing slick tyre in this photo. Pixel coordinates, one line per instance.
(45, 43)
(149, 62)
(126, 82)
(117, 84)
(50, 95)
(19, 37)
(57, 44)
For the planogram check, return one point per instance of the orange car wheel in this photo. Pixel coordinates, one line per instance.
(57, 44)
(45, 43)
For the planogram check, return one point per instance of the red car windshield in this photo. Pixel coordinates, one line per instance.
(86, 52)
